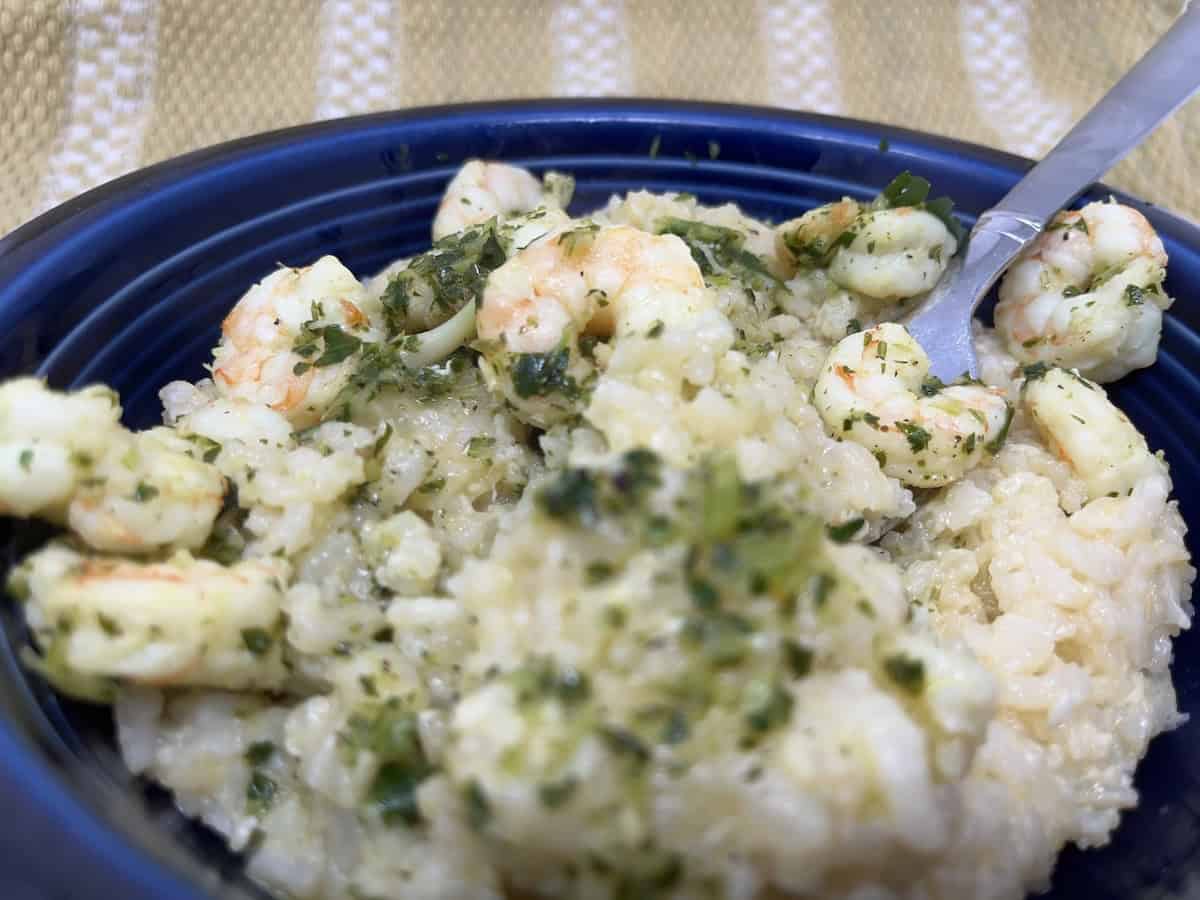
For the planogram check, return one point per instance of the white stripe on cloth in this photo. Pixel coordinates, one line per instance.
(111, 95)
(801, 54)
(994, 35)
(356, 58)
(590, 48)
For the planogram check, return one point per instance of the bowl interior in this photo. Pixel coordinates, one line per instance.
(128, 285)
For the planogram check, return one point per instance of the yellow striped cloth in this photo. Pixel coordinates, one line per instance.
(92, 89)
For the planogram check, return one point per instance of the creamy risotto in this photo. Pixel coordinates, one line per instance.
(630, 556)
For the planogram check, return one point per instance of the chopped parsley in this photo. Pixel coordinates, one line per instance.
(799, 658)
(454, 271)
(25, 459)
(261, 791)
(717, 249)
(257, 640)
(766, 705)
(907, 189)
(578, 239)
(259, 753)
(480, 446)
(479, 809)
(391, 733)
(541, 679)
(918, 438)
(144, 492)
(539, 374)
(1134, 295)
(993, 446)
(846, 531)
(1063, 225)
(555, 794)
(906, 671)
(1035, 371)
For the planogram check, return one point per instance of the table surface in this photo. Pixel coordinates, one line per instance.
(92, 89)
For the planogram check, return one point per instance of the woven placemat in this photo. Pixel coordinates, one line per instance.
(92, 89)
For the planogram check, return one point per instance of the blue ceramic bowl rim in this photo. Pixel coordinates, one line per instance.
(44, 793)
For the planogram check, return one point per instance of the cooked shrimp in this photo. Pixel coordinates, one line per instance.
(182, 621)
(48, 440)
(874, 390)
(492, 190)
(68, 459)
(1088, 432)
(809, 239)
(593, 280)
(146, 494)
(1088, 294)
(285, 343)
(882, 254)
(894, 254)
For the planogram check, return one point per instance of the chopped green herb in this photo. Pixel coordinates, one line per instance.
(626, 744)
(25, 459)
(579, 238)
(615, 616)
(993, 446)
(260, 794)
(1134, 295)
(599, 571)
(715, 248)
(541, 679)
(884, 145)
(1035, 371)
(714, 149)
(1071, 291)
(555, 794)
(479, 809)
(1062, 225)
(480, 446)
(393, 793)
(259, 753)
(906, 671)
(766, 705)
(918, 437)
(656, 329)
(109, 625)
(853, 327)
(907, 189)
(846, 531)
(539, 374)
(655, 145)
(144, 492)
(452, 272)
(799, 658)
(823, 585)
(932, 386)
(433, 486)
(257, 640)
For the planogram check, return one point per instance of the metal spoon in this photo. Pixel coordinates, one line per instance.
(1153, 89)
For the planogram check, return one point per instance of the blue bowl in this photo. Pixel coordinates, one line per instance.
(127, 285)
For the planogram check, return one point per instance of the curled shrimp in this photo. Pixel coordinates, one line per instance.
(493, 190)
(884, 255)
(810, 238)
(1088, 294)
(66, 458)
(181, 621)
(285, 343)
(1083, 427)
(585, 281)
(874, 390)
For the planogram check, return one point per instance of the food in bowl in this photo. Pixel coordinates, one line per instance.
(631, 555)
